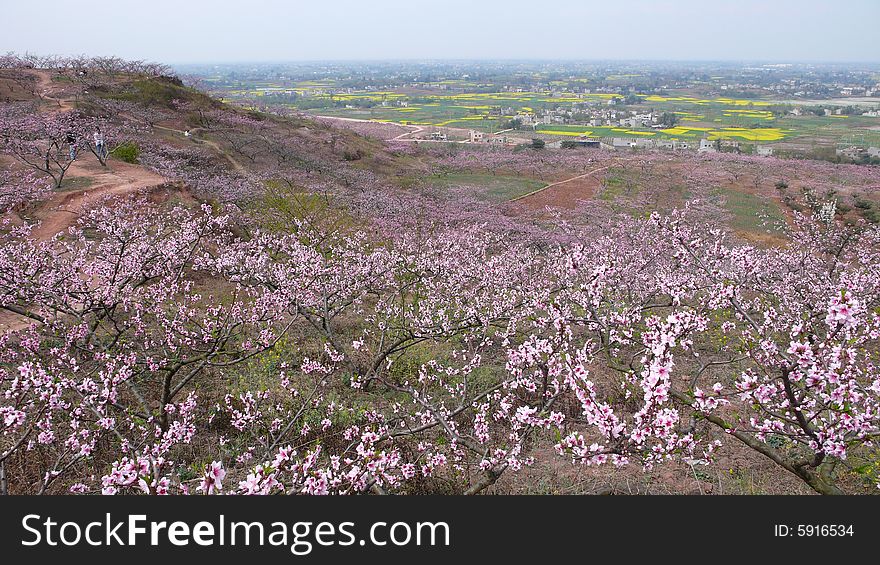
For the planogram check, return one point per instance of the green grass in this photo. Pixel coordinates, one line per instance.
(613, 186)
(75, 183)
(751, 212)
(159, 91)
(128, 152)
(493, 188)
(855, 129)
(619, 183)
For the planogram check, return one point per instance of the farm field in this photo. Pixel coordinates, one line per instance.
(481, 107)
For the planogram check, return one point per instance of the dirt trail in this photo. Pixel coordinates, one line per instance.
(46, 88)
(552, 184)
(564, 194)
(202, 141)
(63, 208)
(418, 129)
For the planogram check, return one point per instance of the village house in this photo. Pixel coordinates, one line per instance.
(622, 142)
(706, 146)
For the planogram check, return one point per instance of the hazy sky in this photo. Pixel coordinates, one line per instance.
(181, 31)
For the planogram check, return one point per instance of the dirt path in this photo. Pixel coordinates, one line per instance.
(200, 140)
(118, 179)
(552, 184)
(64, 207)
(418, 129)
(46, 87)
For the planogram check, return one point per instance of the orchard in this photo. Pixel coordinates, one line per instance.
(299, 325)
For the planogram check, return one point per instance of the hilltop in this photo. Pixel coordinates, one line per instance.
(164, 135)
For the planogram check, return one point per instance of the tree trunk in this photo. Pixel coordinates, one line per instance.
(4, 485)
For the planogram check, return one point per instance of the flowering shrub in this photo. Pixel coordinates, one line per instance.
(447, 353)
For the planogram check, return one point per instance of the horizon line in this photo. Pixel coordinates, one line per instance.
(779, 61)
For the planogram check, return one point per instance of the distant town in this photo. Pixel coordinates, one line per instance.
(827, 112)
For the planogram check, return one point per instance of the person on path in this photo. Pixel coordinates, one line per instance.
(71, 144)
(99, 143)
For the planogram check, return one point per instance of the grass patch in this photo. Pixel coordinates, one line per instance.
(493, 188)
(619, 183)
(160, 91)
(75, 183)
(751, 213)
(127, 152)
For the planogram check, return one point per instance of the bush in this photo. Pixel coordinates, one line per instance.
(872, 216)
(862, 204)
(128, 152)
(355, 155)
(538, 144)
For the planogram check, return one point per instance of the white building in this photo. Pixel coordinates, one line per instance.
(706, 146)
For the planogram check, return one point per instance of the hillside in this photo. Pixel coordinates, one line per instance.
(201, 298)
(231, 153)
(144, 120)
